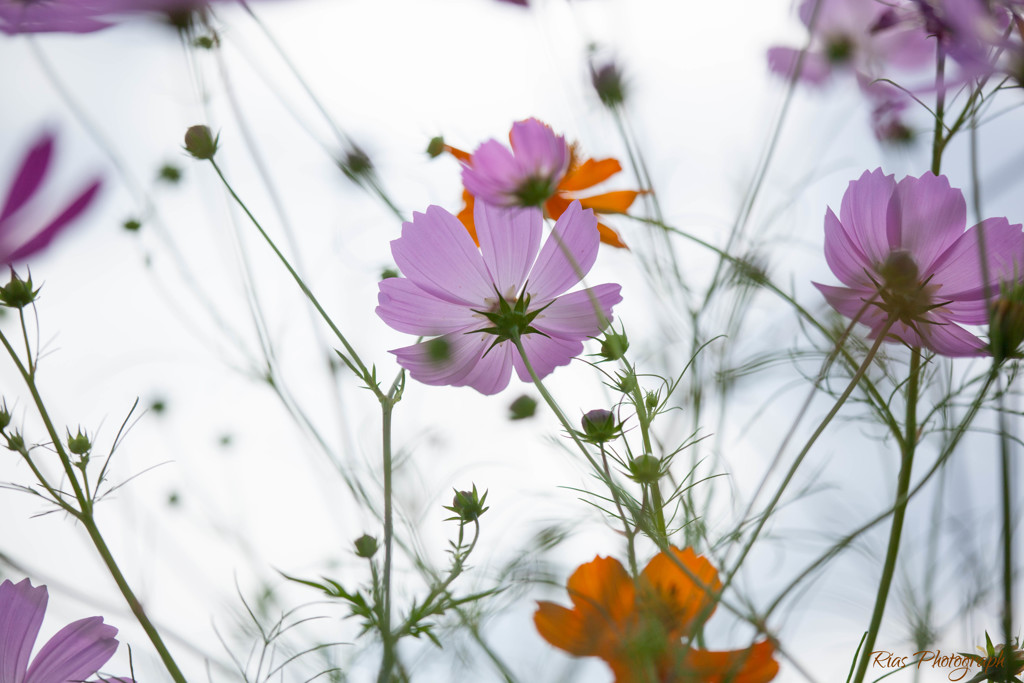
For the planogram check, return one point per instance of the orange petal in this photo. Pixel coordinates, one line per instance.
(610, 237)
(602, 590)
(556, 206)
(458, 153)
(677, 598)
(466, 215)
(753, 665)
(589, 173)
(565, 629)
(611, 202)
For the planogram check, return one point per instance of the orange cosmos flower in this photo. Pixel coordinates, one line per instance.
(638, 627)
(579, 176)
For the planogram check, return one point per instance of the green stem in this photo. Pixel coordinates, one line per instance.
(366, 376)
(85, 516)
(627, 529)
(899, 511)
(388, 658)
(938, 141)
(1009, 662)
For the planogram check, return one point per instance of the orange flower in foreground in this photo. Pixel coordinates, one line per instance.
(638, 627)
(578, 177)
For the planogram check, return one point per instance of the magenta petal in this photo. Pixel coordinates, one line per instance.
(21, 613)
(437, 254)
(959, 269)
(538, 151)
(492, 175)
(814, 69)
(572, 316)
(545, 355)
(951, 340)
(855, 304)
(29, 176)
(464, 353)
(407, 308)
(494, 370)
(844, 257)
(568, 255)
(925, 217)
(509, 240)
(43, 238)
(76, 651)
(864, 216)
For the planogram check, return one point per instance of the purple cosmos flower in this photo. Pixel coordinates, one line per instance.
(20, 239)
(76, 651)
(864, 35)
(475, 299)
(79, 16)
(525, 176)
(901, 250)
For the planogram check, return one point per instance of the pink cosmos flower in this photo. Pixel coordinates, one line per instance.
(19, 238)
(476, 299)
(866, 36)
(526, 175)
(75, 652)
(901, 250)
(79, 16)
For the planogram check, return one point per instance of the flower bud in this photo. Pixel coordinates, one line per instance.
(200, 143)
(366, 546)
(17, 293)
(1006, 323)
(5, 416)
(651, 400)
(607, 81)
(132, 225)
(15, 442)
(468, 505)
(169, 173)
(614, 345)
(645, 469)
(435, 147)
(599, 426)
(356, 165)
(79, 444)
(522, 408)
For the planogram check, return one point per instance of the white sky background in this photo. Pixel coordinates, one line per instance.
(393, 74)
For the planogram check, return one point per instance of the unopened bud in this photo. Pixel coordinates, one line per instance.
(1006, 323)
(5, 416)
(599, 426)
(607, 81)
(522, 408)
(468, 505)
(79, 444)
(645, 469)
(17, 293)
(614, 345)
(435, 147)
(200, 142)
(366, 546)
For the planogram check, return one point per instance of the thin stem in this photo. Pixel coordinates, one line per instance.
(388, 658)
(938, 141)
(364, 372)
(628, 530)
(1007, 509)
(899, 511)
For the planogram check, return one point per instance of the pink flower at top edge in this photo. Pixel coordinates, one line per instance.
(74, 653)
(526, 175)
(79, 16)
(866, 36)
(450, 285)
(18, 241)
(902, 252)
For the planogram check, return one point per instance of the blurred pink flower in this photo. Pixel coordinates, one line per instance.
(901, 250)
(18, 241)
(75, 652)
(476, 299)
(79, 16)
(526, 175)
(865, 36)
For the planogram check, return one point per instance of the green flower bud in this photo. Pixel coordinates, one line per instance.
(79, 444)
(599, 426)
(1006, 323)
(626, 383)
(651, 400)
(607, 81)
(5, 416)
(17, 293)
(467, 505)
(132, 225)
(356, 165)
(614, 346)
(388, 273)
(366, 546)
(200, 142)
(435, 147)
(645, 469)
(15, 442)
(169, 173)
(522, 408)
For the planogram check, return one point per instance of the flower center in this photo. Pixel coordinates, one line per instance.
(534, 191)
(510, 318)
(904, 297)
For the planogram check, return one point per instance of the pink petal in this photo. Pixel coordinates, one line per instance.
(437, 254)
(43, 238)
(538, 151)
(926, 216)
(958, 270)
(76, 651)
(21, 613)
(567, 256)
(545, 355)
(814, 69)
(509, 240)
(492, 174)
(29, 176)
(949, 339)
(846, 259)
(466, 364)
(855, 304)
(407, 308)
(572, 316)
(864, 216)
